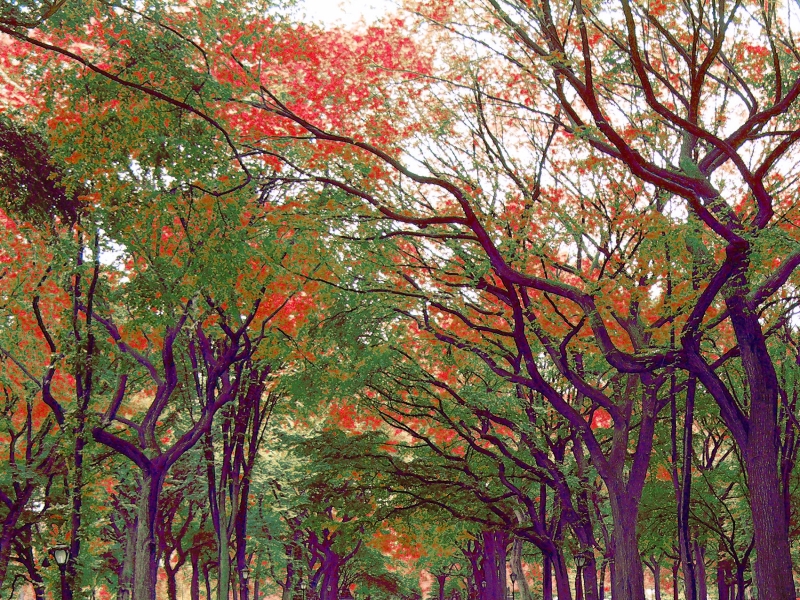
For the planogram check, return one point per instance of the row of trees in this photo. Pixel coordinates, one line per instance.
(526, 269)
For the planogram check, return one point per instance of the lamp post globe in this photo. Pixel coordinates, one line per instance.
(60, 554)
(580, 562)
(245, 574)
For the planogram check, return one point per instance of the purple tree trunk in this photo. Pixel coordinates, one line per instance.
(563, 587)
(627, 582)
(773, 566)
(495, 544)
(700, 564)
(547, 578)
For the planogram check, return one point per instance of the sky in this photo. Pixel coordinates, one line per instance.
(345, 12)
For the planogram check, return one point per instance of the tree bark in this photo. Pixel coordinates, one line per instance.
(547, 578)
(700, 564)
(145, 565)
(682, 482)
(194, 589)
(627, 582)
(724, 575)
(773, 565)
(563, 587)
(494, 564)
(516, 569)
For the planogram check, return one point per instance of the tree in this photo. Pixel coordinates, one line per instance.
(589, 212)
(668, 111)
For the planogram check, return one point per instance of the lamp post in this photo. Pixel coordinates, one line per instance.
(60, 554)
(303, 586)
(580, 563)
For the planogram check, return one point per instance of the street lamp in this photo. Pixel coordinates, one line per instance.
(303, 586)
(580, 563)
(60, 554)
(245, 574)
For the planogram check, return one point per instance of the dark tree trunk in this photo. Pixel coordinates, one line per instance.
(6, 539)
(741, 584)
(655, 567)
(207, 578)
(441, 580)
(675, 570)
(589, 579)
(547, 578)
(724, 576)
(194, 589)
(172, 583)
(700, 569)
(145, 563)
(240, 524)
(773, 565)
(627, 582)
(563, 587)
(494, 545)
(682, 481)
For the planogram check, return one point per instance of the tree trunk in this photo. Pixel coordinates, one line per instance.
(627, 582)
(441, 580)
(655, 567)
(589, 574)
(6, 538)
(547, 578)
(675, 569)
(700, 569)
(145, 565)
(330, 580)
(563, 587)
(601, 584)
(240, 528)
(516, 569)
(126, 571)
(724, 575)
(224, 569)
(172, 583)
(741, 585)
(494, 564)
(773, 565)
(682, 483)
(194, 592)
(207, 579)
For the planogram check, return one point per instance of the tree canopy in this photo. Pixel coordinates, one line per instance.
(478, 299)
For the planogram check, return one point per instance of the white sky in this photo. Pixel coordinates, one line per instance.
(345, 12)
